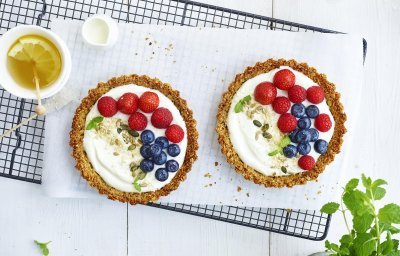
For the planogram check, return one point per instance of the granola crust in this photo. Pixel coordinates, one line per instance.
(83, 164)
(332, 99)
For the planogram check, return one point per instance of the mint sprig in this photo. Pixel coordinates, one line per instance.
(43, 247)
(94, 122)
(282, 143)
(239, 106)
(136, 185)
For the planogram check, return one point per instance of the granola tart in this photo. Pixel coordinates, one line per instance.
(134, 139)
(280, 123)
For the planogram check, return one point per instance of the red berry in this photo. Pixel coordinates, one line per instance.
(315, 94)
(128, 103)
(323, 123)
(174, 133)
(148, 102)
(306, 162)
(161, 118)
(107, 106)
(137, 121)
(284, 79)
(287, 123)
(265, 93)
(281, 105)
(297, 94)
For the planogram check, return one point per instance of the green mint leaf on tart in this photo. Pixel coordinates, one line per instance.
(330, 208)
(137, 187)
(94, 122)
(284, 141)
(273, 153)
(247, 98)
(43, 247)
(239, 106)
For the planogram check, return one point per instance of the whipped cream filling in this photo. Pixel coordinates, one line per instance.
(113, 153)
(253, 149)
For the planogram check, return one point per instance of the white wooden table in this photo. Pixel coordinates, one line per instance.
(103, 227)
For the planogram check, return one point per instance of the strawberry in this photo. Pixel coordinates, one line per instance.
(161, 118)
(107, 106)
(306, 162)
(287, 123)
(148, 102)
(323, 123)
(284, 79)
(315, 94)
(137, 121)
(128, 103)
(174, 133)
(265, 93)
(281, 105)
(297, 94)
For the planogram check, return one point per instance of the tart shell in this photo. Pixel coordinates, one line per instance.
(83, 164)
(333, 101)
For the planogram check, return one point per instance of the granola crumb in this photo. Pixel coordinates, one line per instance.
(216, 163)
(239, 189)
(319, 192)
(207, 175)
(248, 194)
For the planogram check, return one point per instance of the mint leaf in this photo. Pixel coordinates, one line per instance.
(247, 98)
(273, 153)
(352, 184)
(346, 239)
(387, 246)
(357, 202)
(364, 244)
(330, 208)
(239, 106)
(378, 193)
(43, 247)
(362, 223)
(94, 122)
(366, 181)
(378, 183)
(390, 213)
(137, 187)
(284, 141)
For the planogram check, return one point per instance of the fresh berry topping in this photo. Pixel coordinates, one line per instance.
(144, 151)
(303, 136)
(174, 133)
(321, 146)
(155, 150)
(306, 162)
(315, 94)
(304, 123)
(128, 103)
(160, 159)
(137, 121)
(162, 141)
(148, 102)
(298, 110)
(107, 106)
(292, 135)
(287, 123)
(297, 94)
(312, 111)
(161, 174)
(147, 137)
(173, 150)
(323, 123)
(265, 93)
(146, 165)
(314, 134)
(281, 105)
(304, 148)
(290, 151)
(284, 79)
(172, 166)
(161, 118)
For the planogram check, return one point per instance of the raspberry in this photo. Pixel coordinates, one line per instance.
(128, 103)
(323, 123)
(148, 102)
(107, 106)
(284, 79)
(306, 162)
(297, 94)
(174, 133)
(161, 118)
(137, 121)
(287, 123)
(315, 94)
(265, 93)
(281, 105)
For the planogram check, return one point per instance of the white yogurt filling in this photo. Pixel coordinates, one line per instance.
(252, 149)
(112, 160)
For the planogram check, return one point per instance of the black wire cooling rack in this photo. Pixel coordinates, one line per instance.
(21, 153)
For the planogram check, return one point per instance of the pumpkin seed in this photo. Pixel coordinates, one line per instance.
(283, 169)
(119, 130)
(116, 154)
(267, 135)
(257, 123)
(265, 127)
(133, 133)
(142, 175)
(131, 147)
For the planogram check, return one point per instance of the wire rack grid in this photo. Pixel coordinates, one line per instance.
(21, 153)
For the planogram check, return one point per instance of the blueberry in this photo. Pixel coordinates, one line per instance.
(304, 148)
(298, 110)
(160, 159)
(155, 150)
(147, 136)
(144, 151)
(290, 151)
(162, 141)
(146, 165)
(173, 150)
(321, 146)
(292, 135)
(314, 134)
(303, 136)
(161, 174)
(312, 111)
(172, 166)
(304, 123)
